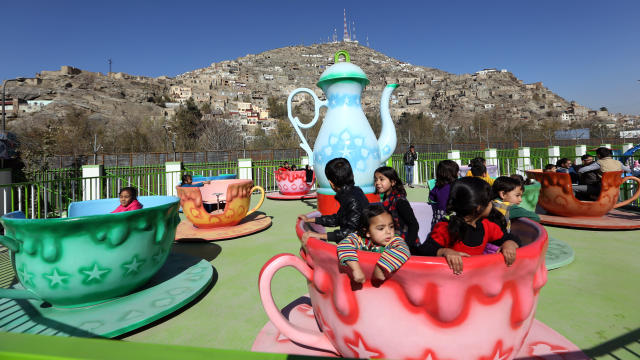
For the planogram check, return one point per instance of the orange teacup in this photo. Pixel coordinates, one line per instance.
(236, 194)
(556, 194)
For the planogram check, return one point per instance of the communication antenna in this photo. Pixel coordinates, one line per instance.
(353, 33)
(368, 40)
(110, 62)
(345, 35)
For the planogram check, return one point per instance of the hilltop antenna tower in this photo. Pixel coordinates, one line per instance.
(110, 62)
(353, 32)
(335, 35)
(368, 40)
(345, 36)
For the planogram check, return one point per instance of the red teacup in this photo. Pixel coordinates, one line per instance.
(293, 182)
(423, 311)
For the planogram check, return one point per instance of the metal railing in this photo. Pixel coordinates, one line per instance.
(51, 195)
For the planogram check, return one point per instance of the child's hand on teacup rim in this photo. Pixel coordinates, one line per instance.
(305, 218)
(378, 274)
(454, 259)
(508, 250)
(356, 272)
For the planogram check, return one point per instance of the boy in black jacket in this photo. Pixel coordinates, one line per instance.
(351, 199)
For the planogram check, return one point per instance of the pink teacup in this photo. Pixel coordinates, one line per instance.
(292, 182)
(423, 311)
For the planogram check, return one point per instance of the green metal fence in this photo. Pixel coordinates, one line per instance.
(50, 195)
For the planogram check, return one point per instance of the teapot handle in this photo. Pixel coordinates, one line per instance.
(296, 122)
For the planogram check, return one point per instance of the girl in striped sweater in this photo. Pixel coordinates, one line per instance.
(377, 235)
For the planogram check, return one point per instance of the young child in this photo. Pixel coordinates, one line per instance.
(128, 200)
(377, 235)
(479, 170)
(468, 230)
(446, 174)
(549, 168)
(507, 195)
(394, 200)
(187, 181)
(474, 162)
(351, 199)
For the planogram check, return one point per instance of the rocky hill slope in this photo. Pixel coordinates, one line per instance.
(119, 100)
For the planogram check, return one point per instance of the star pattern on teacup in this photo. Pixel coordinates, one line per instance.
(361, 349)
(94, 273)
(56, 278)
(133, 266)
(157, 257)
(426, 355)
(499, 353)
(544, 350)
(25, 276)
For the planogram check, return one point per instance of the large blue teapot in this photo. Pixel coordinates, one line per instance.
(345, 131)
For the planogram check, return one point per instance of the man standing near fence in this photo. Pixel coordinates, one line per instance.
(409, 159)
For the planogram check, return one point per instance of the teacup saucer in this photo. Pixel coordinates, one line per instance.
(281, 196)
(542, 342)
(249, 225)
(559, 254)
(613, 220)
(178, 282)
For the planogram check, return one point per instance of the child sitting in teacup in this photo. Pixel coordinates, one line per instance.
(472, 224)
(378, 235)
(394, 199)
(351, 199)
(187, 181)
(128, 200)
(507, 195)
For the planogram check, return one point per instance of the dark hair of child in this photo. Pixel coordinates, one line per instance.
(132, 191)
(391, 174)
(561, 162)
(369, 212)
(521, 179)
(477, 160)
(186, 178)
(603, 152)
(478, 169)
(446, 172)
(339, 172)
(549, 166)
(585, 157)
(506, 184)
(469, 197)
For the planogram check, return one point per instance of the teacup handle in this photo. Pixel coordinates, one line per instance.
(296, 122)
(300, 335)
(12, 244)
(634, 197)
(261, 198)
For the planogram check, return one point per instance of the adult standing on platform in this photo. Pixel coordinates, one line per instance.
(409, 158)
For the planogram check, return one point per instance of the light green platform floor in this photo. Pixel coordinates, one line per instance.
(593, 301)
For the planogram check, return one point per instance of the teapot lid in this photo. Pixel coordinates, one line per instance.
(342, 71)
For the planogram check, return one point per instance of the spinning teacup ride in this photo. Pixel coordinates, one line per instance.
(98, 273)
(562, 208)
(228, 215)
(292, 185)
(423, 311)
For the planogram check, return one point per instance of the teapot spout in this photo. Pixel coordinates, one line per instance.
(387, 140)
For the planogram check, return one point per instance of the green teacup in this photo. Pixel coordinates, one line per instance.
(92, 255)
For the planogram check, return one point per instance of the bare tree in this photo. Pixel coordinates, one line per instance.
(218, 135)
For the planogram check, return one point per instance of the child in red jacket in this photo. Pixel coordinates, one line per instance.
(472, 224)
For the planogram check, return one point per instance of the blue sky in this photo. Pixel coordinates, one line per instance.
(587, 51)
